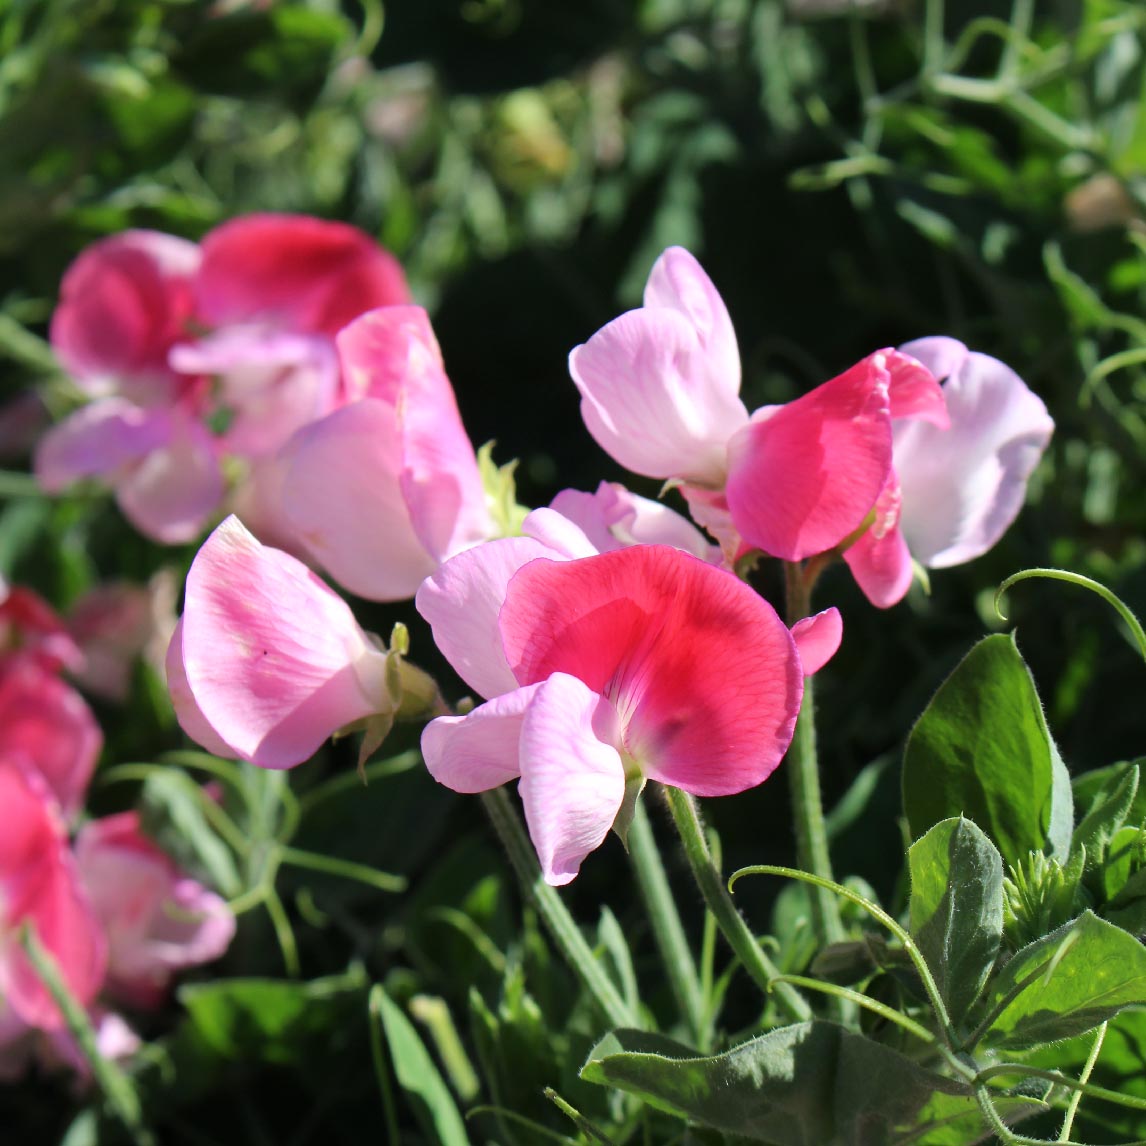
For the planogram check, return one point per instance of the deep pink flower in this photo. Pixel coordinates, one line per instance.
(659, 389)
(39, 887)
(48, 725)
(123, 304)
(267, 661)
(29, 624)
(157, 919)
(380, 492)
(642, 663)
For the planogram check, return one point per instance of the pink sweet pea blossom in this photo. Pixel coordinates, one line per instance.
(380, 492)
(641, 663)
(267, 662)
(659, 389)
(39, 887)
(28, 624)
(46, 723)
(157, 919)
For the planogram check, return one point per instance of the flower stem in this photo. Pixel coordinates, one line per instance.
(668, 930)
(804, 780)
(562, 927)
(730, 921)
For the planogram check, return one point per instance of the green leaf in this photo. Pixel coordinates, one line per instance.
(1107, 814)
(803, 1085)
(982, 750)
(956, 909)
(416, 1073)
(171, 813)
(1066, 983)
(611, 936)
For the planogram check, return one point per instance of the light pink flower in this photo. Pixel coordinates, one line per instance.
(642, 663)
(46, 723)
(380, 492)
(157, 919)
(267, 661)
(39, 886)
(113, 624)
(659, 389)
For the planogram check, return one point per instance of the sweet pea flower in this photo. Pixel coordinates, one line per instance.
(383, 490)
(660, 393)
(48, 724)
(267, 662)
(602, 672)
(157, 919)
(196, 354)
(39, 887)
(28, 624)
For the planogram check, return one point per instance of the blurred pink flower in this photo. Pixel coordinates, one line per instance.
(267, 661)
(157, 919)
(617, 669)
(39, 886)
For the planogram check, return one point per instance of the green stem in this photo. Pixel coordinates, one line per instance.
(346, 869)
(561, 925)
(1084, 1078)
(116, 1086)
(804, 780)
(676, 955)
(730, 921)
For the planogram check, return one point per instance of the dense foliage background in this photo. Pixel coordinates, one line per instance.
(851, 176)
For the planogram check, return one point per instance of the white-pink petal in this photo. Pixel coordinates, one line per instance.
(964, 486)
(572, 775)
(462, 600)
(478, 751)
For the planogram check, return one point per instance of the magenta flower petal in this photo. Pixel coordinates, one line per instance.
(157, 919)
(39, 885)
(462, 600)
(296, 272)
(123, 303)
(572, 776)
(704, 675)
(274, 659)
(913, 391)
(47, 722)
(818, 639)
(805, 475)
(881, 566)
(480, 750)
(964, 486)
(342, 499)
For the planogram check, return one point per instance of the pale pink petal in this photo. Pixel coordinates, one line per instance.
(818, 638)
(274, 658)
(881, 566)
(572, 776)
(462, 600)
(298, 272)
(39, 886)
(172, 493)
(709, 509)
(187, 711)
(964, 486)
(565, 537)
(478, 751)
(941, 355)
(705, 676)
(805, 475)
(375, 351)
(271, 382)
(157, 920)
(678, 282)
(47, 722)
(648, 399)
(614, 516)
(123, 303)
(913, 391)
(99, 440)
(343, 503)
